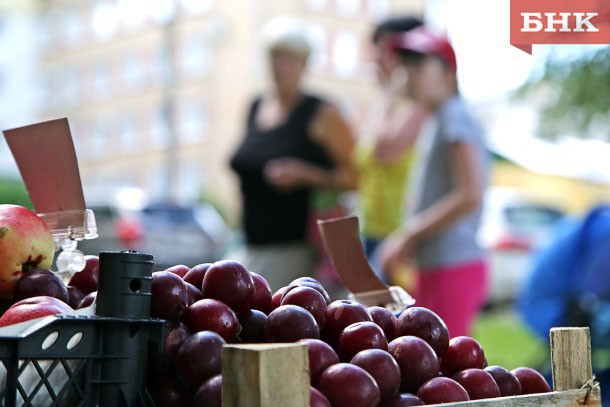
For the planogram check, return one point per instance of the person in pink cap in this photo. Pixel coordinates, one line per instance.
(449, 178)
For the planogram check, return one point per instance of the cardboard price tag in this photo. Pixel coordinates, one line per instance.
(46, 159)
(341, 237)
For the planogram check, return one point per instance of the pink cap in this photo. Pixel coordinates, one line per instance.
(424, 41)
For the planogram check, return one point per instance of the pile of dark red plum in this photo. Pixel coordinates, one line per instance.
(358, 356)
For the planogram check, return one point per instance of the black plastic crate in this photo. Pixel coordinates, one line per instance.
(87, 360)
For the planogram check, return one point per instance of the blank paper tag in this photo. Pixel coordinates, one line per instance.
(341, 239)
(45, 155)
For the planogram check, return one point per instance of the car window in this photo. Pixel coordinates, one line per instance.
(167, 214)
(531, 217)
(102, 213)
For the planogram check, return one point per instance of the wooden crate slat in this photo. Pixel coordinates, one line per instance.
(568, 398)
(570, 358)
(277, 375)
(265, 375)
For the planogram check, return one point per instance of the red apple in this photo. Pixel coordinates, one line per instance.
(5, 304)
(87, 279)
(25, 244)
(31, 308)
(229, 281)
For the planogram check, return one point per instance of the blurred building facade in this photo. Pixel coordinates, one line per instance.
(156, 91)
(18, 71)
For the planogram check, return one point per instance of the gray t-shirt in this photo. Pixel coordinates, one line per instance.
(456, 244)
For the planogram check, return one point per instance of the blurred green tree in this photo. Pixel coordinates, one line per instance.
(13, 191)
(573, 96)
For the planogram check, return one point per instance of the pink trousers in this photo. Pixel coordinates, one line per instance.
(456, 293)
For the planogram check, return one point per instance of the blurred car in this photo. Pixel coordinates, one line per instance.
(515, 223)
(116, 215)
(177, 234)
(174, 234)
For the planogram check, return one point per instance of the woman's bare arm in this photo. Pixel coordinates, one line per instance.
(331, 131)
(465, 196)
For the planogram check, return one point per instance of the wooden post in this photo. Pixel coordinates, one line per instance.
(265, 375)
(570, 358)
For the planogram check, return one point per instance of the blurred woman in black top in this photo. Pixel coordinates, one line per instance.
(295, 144)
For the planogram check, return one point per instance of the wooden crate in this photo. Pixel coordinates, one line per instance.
(269, 375)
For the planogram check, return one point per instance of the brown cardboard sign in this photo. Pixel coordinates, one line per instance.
(46, 159)
(341, 237)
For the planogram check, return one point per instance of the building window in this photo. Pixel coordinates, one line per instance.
(130, 13)
(104, 19)
(348, 8)
(99, 141)
(129, 133)
(161, 11)
(319, 57)
(160, 127)
(100, 78)
(190, 181)
(194, 121)
(132, 71)
(157, 182)
(196, 57)
(316, 5)
(378, 9)
(346, 54)
(72, 26)
(71, 86)
(197, 7)
(46, 34)
(161, 69)
(47, 87)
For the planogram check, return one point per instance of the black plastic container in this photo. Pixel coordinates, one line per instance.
(79, 360)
